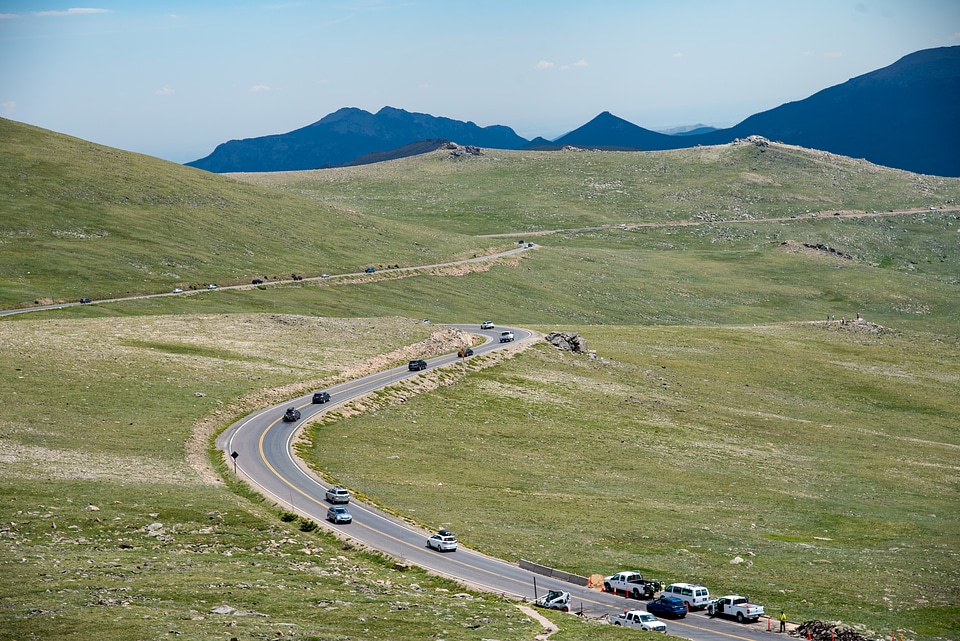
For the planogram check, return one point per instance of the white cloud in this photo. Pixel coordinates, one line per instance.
(543, 64)
(425, 85)
(678, 55)
(259, 88)
(70, 12)
(8, 16)
(580, 63)
(8, 107)
(166, 91)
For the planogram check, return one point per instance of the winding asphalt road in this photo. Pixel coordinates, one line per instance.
(263, 444)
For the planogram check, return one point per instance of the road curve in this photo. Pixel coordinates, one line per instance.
(263, 444)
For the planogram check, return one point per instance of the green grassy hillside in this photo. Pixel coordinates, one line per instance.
(720, 418)
(80, 220)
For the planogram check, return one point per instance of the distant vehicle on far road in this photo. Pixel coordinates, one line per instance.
(84, 300)
(291, 415)
(211, 286)
(177, 290)
(486, 325)
(417, 365)
(506, 337)
(369, 270)
(321, 397)
(443, 541)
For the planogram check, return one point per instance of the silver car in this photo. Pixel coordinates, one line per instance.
(338, 495)
(339, 514)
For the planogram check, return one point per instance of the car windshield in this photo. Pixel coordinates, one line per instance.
(647, 617)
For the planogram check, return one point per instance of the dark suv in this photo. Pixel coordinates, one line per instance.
(417, 365)
(291, 415)
(321, 397)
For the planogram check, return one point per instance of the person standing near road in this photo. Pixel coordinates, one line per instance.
(783, 621)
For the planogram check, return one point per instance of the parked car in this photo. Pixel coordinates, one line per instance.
(211, 286)
(417, 364)
(339, 514)
(321, 397)
(84, 300)
(694, 595)
(640, 620)
(291, 415)
(177, 290)
(338, 494)
(465, 351)
(668, 606)
(443, 541)
(486, 325)
(369, 270)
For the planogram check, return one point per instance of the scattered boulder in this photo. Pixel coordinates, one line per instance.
(567, 341)
(456, 151)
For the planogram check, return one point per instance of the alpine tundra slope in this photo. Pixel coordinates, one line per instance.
(262, 447)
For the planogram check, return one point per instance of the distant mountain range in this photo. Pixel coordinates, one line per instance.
(905, 116)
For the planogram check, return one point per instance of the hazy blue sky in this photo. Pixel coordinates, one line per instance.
(174, 79)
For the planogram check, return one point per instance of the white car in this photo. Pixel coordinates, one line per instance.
(177, 290)
(211, 286)
(486, 325)
(338, 495)
(443, 541)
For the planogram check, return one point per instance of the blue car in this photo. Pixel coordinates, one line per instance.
(668, 606)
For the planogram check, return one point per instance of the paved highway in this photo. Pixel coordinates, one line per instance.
(265, 459)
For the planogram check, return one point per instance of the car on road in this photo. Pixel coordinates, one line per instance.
(443, 541)
(639, 620)
(668, 606)
(339, 514)
(291, 415)
(324, 275)
(465, 351)
(369, 270)
(321, 397)
(84, 300)
(694, 595)
(338, 494)
(177, 290)
(486, 325)
(256, 281)
(417, 365)
(211, 286)
(506, 337)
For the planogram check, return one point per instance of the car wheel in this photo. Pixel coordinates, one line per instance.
(606, 587)
(739, 617)
(616, 623)
(636, 593)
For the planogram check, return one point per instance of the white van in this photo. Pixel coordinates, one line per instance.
(695, 596)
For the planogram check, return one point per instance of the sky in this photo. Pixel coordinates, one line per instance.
(175, 79)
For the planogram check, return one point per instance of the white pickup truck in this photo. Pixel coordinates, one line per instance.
(640, 620)
(735, 606)
(506, 337)
(631, 583)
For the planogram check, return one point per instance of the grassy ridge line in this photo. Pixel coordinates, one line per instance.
(120, 223)
(526, 192)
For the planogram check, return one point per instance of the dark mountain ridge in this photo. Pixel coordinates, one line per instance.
(344, 136)
(904, 116)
